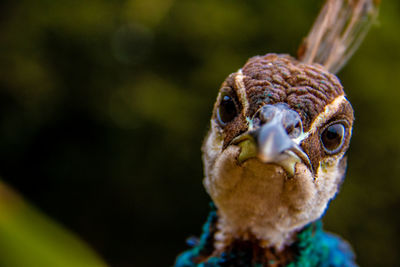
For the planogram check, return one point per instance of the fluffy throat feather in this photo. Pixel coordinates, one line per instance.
(258, 199)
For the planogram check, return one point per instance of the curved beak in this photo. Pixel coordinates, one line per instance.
(271, 144)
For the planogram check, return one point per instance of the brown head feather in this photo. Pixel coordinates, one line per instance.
(274, 78)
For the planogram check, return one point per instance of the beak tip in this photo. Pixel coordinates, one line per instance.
(289, 165)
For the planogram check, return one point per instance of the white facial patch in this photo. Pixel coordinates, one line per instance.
(212, 147)
(328, 178)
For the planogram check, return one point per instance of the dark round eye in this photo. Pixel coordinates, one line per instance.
(332, 138)
(226, 111)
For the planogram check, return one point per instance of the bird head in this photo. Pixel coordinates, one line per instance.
(275, 154)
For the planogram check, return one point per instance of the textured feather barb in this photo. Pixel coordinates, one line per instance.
(337, 32)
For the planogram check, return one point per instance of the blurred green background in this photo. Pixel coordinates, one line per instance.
(104, 105)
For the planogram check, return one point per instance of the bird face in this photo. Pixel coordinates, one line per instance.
(274, 156)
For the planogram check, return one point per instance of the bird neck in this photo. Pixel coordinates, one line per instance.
(246, 251)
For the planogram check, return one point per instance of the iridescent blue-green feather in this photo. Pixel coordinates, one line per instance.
(313, 248)
(319, 248)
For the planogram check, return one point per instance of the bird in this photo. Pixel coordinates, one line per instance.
(275, 154)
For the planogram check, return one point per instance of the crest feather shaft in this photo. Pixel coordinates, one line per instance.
(337, 32)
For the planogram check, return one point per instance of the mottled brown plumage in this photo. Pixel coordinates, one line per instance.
(274, 78)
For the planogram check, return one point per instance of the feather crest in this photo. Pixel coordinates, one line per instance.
(337, 32)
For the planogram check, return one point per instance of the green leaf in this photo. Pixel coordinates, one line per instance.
(29, 238)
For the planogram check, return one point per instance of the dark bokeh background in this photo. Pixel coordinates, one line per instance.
(104, 105)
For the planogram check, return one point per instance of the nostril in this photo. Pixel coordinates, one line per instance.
(292, 123)
(265, 114)
(289, 129)
(293, 128)
(294, 132)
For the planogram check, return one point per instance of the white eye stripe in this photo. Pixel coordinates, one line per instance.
(328, 112)
(242, 91)
(322, 118)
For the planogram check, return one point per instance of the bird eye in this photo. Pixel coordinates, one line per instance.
(332, 138)
(227, 110)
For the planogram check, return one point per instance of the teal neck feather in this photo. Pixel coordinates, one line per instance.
(313, 247)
